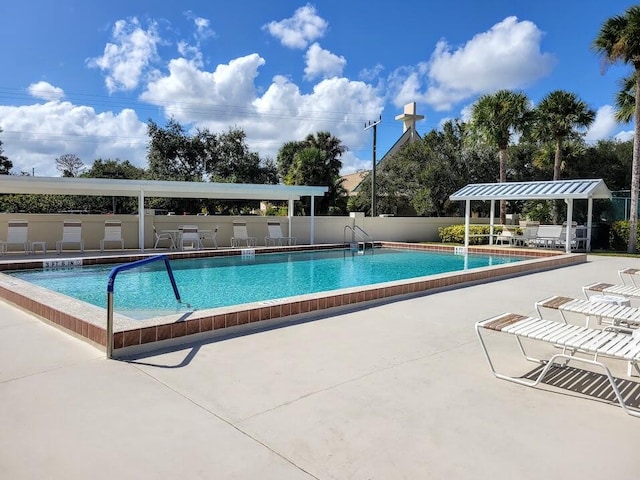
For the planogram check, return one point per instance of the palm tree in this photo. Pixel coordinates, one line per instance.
(619, 41)
(495, 117)
(626, 99)
(557, 118)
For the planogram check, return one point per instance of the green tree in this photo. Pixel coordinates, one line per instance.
(626, 99)
(118, 170)
(315, 161)
(69, 165)
(5, 164)
(619, 41)
(495, 117)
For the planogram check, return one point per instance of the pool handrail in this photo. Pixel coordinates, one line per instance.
(111, 283)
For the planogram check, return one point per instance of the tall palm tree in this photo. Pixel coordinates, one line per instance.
(626, 99)
(558, 117)
(619, 41)
(495, 117)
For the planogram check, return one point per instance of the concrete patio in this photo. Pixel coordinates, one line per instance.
(396, 391)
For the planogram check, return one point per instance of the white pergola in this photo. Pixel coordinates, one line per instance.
(567, 190)
(162, 189)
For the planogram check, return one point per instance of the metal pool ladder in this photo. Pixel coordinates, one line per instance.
(359, 239)
(112, 280)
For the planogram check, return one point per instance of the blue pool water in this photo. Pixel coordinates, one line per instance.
(231, 280)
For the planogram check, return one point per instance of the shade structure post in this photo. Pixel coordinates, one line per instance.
(589, 222)
(141, 220)
(467, 218)
(567, 236)
(491, 221)
(289, 215)
(313, 221)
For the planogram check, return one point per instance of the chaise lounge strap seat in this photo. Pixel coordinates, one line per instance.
(573, 339)
(616, 313)
(632, 273)
(611, 289)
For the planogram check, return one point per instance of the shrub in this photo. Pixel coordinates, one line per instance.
(455, 234)
(619, 235)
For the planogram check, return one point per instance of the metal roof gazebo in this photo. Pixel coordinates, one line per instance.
(567, 190)
(162, 189)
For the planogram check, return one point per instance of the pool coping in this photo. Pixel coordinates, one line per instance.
(131, 336)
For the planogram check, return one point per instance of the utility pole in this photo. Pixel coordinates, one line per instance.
(367, 126)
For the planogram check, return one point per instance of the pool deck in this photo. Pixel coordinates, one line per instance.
(394, 391)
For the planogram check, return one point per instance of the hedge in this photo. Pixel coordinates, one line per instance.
(455, 234)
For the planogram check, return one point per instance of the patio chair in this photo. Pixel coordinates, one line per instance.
(163, 236)
(209, 235)
(240, 235)
(506, 236)
(597, 343)
(112, 233)
(611, 310)
(529, 233)
(547, 236)
(629, 273)
(17, 234)
(275, 235)
(71, 233)
(190, 236)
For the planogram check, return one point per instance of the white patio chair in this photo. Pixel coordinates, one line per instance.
(190, 236)
(275, 236)
(112, 233)
(163, 236)
(71, 233)
(17, 234)
(240, 234)
(596, 343)
(209, 235)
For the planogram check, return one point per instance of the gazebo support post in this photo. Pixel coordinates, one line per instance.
(467, 218)
(289, 215)
(491, 221)
(589, 222)
(313, 221)
(567, 236)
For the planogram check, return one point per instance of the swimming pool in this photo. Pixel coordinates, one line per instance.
(206, 283)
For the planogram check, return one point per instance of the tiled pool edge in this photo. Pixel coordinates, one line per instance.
(88, 321)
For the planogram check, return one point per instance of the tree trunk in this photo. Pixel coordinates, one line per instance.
(556, 176)
(635, 172)
(502, 155)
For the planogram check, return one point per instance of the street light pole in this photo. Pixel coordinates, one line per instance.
(367, 126)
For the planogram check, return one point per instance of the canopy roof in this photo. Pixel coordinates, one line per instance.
(556, 189)
(154, 188)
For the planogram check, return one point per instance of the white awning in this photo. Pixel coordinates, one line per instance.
(558, 189)
(155, 188)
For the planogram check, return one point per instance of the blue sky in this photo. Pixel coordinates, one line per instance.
(84, 77)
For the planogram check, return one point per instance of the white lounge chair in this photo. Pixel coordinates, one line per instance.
(190, 236)
(547, 236)
(112, 233)
(629, 274)
(240, 235)
(275, 236)
(71, 233)
(603, 312)
(209, 235)
(163, 236)
(608, 343)
(507, 236)
(17, 234)
(602, 288)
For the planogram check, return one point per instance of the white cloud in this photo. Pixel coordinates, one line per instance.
(371, 74)
(191, 95)
(297, 31)
(203, 26)
(603, 126)
(35, 135)
(126, 60)
(322, 63)
(506, 56)
(45, 91)
(624, 135)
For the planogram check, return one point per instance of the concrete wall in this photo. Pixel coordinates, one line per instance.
(48, 228)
